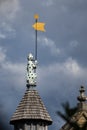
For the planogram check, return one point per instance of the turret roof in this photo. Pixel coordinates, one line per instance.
(31, 107)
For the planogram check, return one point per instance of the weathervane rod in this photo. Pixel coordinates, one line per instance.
(38, 26)
(36, 43)
(36, 19)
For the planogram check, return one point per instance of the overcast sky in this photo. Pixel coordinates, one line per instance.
(62, 52)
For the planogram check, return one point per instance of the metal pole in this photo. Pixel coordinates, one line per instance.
(36, 41)
(36, 16)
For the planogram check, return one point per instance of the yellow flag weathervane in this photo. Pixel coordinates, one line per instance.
(38, 26)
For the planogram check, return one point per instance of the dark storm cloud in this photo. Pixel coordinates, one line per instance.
(2, 1)
(68, 22)
(3, 124)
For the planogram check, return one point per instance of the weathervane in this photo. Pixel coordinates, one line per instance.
(32, 62)
(38, 26)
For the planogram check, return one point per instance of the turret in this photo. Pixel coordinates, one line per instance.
(31, 113)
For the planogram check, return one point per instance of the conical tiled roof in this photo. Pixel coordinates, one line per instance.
(31, 107)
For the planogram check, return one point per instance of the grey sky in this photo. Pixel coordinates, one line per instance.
(62, 64)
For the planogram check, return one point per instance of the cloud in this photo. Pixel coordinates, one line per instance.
(74, 44)
(48, 3)
(2, 55)
(2, 36)
(8, 13)
(62, 75)
(48, 43)
(9, 8)
(16, 73)
(7, 31)
(13, 73)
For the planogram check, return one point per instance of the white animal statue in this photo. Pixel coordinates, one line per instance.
(31, 71)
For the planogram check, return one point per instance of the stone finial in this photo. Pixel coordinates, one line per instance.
(31, 71)
(82, 97)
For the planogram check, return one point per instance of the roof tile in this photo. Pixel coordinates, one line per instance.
(31, 107)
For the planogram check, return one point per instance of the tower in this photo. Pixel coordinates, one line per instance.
(79, 119)
(31, 114)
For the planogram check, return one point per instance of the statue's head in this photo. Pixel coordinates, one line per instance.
(30, 57)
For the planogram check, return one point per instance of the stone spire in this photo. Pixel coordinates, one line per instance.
(82, 97)
(80, 117)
